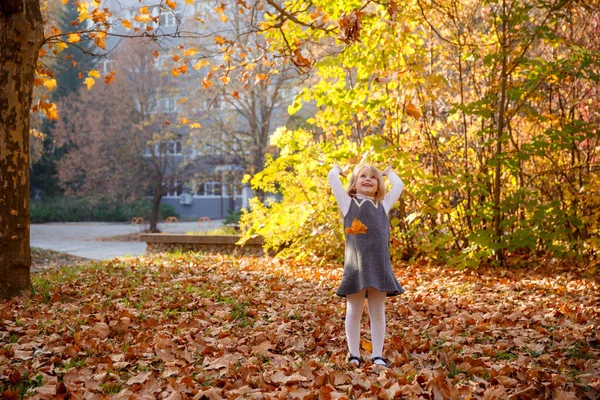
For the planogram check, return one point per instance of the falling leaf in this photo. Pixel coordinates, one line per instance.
(94, 74)
(356, 228)
(172, 5)
(126, 24)
(195, 125)
(413, 111)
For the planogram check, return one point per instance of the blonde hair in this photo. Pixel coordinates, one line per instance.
(380, 194)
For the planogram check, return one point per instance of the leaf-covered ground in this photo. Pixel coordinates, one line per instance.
(214, 326)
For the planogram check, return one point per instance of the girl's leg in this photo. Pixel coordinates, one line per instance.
(377, 317)
(355, 304)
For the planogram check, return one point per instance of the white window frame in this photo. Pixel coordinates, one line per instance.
(167, 19)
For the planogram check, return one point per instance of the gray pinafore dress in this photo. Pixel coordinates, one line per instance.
(367, 256)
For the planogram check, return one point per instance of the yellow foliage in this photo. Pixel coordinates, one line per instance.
(190, 52)
(50, 84)
(200, 64)
(74, 38)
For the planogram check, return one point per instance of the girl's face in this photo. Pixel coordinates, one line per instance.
(367, 183)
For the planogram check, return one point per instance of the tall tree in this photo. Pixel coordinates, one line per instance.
(155, 93)
(105, 159)
(21, 37)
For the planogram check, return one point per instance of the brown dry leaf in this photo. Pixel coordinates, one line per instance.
(216, 326)
(350, 26)
(413, 111)
(299, 60)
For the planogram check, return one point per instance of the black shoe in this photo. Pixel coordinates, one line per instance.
(356, 361)
(379, 359)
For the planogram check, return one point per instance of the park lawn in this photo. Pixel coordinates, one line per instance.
(215, 326)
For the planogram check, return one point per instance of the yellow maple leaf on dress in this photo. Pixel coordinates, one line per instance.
(356, 228)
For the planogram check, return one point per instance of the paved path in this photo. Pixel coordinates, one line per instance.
(79, 238)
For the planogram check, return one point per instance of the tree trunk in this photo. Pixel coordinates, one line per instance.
(501, 123)
(157, 196)
(21, 36)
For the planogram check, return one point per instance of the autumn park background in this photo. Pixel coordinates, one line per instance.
(488, 111)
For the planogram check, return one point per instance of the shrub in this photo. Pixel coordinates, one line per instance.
(63, 209)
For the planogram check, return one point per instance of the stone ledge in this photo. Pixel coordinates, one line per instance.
(161, 243)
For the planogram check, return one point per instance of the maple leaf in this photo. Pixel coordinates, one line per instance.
(356, 228)
(89, 82)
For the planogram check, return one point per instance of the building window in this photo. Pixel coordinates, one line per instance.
(210, 189)
(167, 19)
(168, 148)
(175, 190)
(173, 147)
(217, 189)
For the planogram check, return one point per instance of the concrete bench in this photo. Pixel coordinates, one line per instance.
(164, 243)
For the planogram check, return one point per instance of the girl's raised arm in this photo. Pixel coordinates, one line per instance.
(394, 194)
(340, 194)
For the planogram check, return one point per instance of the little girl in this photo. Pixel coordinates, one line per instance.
(367, 267)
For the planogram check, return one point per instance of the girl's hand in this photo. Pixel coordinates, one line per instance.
(387, 170)
(335, 164)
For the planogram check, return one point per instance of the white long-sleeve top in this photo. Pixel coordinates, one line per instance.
(344, 200)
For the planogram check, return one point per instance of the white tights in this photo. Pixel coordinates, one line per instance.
(354, 309)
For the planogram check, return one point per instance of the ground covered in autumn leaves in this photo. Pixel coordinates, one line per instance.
(214, 326)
